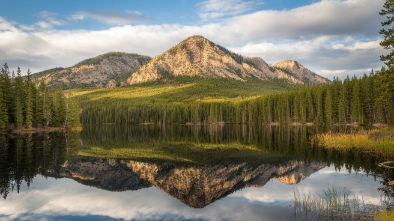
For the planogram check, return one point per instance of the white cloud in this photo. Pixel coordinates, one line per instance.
(212, 9)
(112, 17)
(49, 21)
(328, 37)
(324, 55)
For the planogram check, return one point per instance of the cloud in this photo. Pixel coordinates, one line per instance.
(212, 9)
(325, 55)
(328, 18)
(329, 37)
(112, 17)
(48, 21)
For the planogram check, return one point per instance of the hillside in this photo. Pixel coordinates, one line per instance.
(107, 70)
(197, 56)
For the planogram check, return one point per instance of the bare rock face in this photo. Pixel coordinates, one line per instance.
(197, 56)
(299, 72)
(106, 174)
(299, 173)
(107, 70)
(194, 186)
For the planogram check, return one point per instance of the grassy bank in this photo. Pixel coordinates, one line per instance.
(377, 141)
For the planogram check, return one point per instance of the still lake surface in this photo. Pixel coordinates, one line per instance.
(153, 172)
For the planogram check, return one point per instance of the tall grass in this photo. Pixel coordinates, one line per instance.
(334, 204)
(379, 141)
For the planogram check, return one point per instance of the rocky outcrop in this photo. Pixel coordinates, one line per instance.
(299, 173)
(195, 186)
(299, 72)
(107, 70)
(106, 174)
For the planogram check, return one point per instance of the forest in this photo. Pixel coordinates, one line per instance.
(361, 101)
(23, 105)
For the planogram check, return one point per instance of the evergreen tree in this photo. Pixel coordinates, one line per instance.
(3, 112)
(19, 98)
(328, 105)
(29, 102)
(7, 91)
(388, 41)
(385, 79)
(356, 105)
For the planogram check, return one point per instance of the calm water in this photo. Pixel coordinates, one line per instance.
(150, 172)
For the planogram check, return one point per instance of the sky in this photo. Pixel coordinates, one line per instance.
(330, 37)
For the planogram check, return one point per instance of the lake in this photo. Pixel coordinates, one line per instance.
(179, 172)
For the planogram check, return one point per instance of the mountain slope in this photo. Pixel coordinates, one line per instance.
(197, 56)
(299, 72)
(105, 70)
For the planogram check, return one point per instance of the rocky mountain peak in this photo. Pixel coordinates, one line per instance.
(198, 56)
(298, 71)
(106, 70)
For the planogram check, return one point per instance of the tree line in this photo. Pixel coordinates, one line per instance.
(353, 100)
(23, 105)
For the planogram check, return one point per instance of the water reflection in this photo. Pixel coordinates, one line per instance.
(195, 186)
(203, 164)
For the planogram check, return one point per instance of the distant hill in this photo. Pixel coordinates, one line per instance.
(107, 70)
(197, 56)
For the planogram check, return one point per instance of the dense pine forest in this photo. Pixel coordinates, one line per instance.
(351, 101)
(25, 106)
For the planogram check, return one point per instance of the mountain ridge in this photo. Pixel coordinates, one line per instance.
(106, 70)
(194, 56)
(197, 56)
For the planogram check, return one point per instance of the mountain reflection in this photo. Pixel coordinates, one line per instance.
(195, 186)
(195, 164)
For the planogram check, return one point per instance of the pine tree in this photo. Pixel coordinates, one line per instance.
(385, 79)
(7, 91)
(388, 41)
(328, 105)
(19, 98)
(29, 102)
(356, 104)
(3, 113)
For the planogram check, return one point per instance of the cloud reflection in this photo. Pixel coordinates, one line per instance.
(49, 199)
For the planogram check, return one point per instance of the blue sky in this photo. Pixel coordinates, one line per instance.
(330, 37)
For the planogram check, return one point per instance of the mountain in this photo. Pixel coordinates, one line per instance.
(295, 69)
(197, 56)
(107, 70)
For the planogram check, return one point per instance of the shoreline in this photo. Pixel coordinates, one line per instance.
(38, 130)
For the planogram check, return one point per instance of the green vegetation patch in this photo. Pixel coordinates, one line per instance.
(185, 89)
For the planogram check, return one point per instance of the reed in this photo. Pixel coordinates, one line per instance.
(335, 204)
